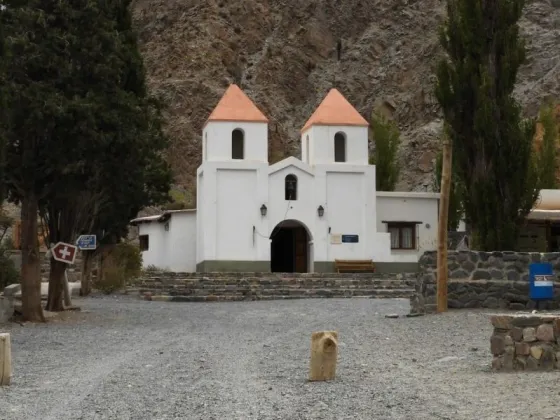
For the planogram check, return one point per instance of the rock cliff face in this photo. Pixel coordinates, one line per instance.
(284, 55)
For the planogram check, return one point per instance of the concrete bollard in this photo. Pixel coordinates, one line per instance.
(5, 359)
(324, 353)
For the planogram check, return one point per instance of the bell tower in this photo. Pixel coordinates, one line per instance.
(335, 133)
(236, 130)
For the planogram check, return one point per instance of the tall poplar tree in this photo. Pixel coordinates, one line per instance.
(386, 137)
(492, 144)
(547, 155)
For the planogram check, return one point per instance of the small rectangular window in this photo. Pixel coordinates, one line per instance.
(144, 242)
(403, 235)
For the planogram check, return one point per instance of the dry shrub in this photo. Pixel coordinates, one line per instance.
(113, 276)
(123, 263)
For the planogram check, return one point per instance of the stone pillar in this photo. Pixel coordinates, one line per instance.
(324, 353)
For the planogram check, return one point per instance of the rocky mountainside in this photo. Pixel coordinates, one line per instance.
(283, 53)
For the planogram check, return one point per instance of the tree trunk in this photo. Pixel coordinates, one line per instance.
(67, 295)
(87, 262)
(442, 272)
(30, 262)
(56, 286)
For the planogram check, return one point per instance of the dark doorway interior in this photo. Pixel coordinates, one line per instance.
(288, 249)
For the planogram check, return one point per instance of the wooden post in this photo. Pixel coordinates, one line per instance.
(5, 359)
(442, 272)
(67, 295)
(324, 352)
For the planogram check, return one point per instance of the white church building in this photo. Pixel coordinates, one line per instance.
(295, 215)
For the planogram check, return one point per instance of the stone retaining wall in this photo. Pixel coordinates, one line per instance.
(74, 270)
(525, 342)
(483, 280)
(6, 309)
(202, 287)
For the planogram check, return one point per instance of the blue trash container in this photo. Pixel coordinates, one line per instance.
(541, 281)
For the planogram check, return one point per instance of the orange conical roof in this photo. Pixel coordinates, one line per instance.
(236, 106)
(335, 110)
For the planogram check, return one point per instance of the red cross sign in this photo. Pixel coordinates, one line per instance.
(64, 252)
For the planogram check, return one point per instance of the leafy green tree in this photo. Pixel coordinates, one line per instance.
(455, 195)
(35, 67)
(547, 155)
(124, 142)
(492, 145)
(83, 135)
(386, 136)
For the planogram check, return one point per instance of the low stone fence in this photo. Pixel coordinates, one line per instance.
(6, 309)
(525, 342)
(496, 280)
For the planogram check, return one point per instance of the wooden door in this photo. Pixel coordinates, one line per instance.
(300, 251)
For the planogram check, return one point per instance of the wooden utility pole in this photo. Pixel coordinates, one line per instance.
(442, 272)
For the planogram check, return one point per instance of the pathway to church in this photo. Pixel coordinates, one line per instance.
(123, 358)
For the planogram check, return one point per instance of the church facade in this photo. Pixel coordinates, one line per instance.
(295, 215)
(292, 216)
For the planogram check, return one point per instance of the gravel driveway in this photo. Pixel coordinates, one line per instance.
(123, 358)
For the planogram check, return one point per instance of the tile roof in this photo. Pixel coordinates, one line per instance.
(236, 106)
(335, 110)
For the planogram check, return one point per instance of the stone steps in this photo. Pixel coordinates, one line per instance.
(267, 275)
(286, 294)
(264, 284)
(203, 287)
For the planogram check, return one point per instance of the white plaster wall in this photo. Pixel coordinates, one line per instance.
(410, 207)
(302, 210)
(230, 199)
(181, 242)
(236, 211)
(155, 254)
(173, 249)
(321, 145)
(200, 215)
(216, 141)
(347, 193)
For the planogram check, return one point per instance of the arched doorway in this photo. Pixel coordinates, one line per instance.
(289, 248)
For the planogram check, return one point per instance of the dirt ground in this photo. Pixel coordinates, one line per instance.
(122, 358)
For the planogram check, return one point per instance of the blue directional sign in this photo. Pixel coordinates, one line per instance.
(87, 242)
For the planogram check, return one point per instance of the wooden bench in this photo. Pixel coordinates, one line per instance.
(354, 266)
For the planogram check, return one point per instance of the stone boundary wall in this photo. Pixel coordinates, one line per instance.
(6, 309)
(525, 342)
(496, 280)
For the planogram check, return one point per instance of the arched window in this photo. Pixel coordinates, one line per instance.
(340, 147)
(307, 149)
(237, 146)
(290, 187)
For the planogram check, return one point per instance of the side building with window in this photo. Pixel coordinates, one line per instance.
(411, 218)
(296, 215)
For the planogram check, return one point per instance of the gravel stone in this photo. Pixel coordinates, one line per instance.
(124, 358)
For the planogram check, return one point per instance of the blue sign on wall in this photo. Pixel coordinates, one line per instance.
(350, 239)
(541, 281)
